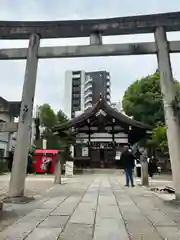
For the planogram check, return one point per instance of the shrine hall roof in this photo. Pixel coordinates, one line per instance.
(102, 105)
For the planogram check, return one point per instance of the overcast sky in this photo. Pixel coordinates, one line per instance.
(50, 78)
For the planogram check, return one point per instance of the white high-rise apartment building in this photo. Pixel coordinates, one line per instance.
(96, 84)
(74, 92)
(83, 89)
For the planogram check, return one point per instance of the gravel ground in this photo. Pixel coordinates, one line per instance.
(35, 184)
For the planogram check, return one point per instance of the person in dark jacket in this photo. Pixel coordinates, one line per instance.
(30, 163)
(152, 167)
(10, 160)
(128, 162)
(49, 164)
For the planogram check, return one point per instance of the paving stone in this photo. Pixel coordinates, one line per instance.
(77, 232)
(67, 207)
(31, 220)
(44, 234)
(90, 197)
(54, 222)
(39, 213)
(120, 212)
(108, 212)
(142, 230)
(84, 213)
(52, 203)
(160, 219)
(107, 229)
(107, 200)
(170, 233)
(17, 231)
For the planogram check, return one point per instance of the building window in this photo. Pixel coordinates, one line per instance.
(76, 90)
(76, 72)
(75, 108)
(76, 102)
(76, 95)
(76, 85)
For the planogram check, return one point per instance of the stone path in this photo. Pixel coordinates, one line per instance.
(97, 207)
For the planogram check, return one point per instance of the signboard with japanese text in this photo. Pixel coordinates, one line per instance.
(69, 169)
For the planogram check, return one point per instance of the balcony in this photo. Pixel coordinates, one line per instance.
(108, 83)
(108, 96)
(88, 105)
(88, 80)
(88, 100)
(88, 88)
(88, 94)
(108, 90)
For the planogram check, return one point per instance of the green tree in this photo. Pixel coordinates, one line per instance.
(61, 117)
(48, 118)
(143, 100)
(158, 139)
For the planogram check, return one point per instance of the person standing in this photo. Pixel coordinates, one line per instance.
(152, 167)
(128, 162)
(10, 160)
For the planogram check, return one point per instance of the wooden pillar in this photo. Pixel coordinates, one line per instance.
(169, 99)
(113, 121)
(89, 140)
(58, 161)
(144, 169)
(113, 139)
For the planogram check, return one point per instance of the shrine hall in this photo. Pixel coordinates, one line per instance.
(101, 133)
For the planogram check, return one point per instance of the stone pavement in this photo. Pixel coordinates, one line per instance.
(96, 207)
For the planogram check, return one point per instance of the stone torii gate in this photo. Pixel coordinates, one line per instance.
(158, 24)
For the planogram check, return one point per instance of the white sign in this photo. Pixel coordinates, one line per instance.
(85, 151)
(45, 161)
(44, 143)
(118, 155)
(69, 167)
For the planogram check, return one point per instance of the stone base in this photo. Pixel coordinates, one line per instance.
(1, 208)
(174, 202)
(19, 200)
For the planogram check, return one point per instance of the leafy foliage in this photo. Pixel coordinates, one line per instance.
(158, 139)
(143, 100)
(48, 119)
(61, 117)
(47, 116)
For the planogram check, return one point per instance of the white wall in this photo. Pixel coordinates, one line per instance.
(68, 94)
(83, 75)
(117, 140)
(102, 137)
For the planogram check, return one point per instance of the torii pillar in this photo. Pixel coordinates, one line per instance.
(18, 175)
(168, 92)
